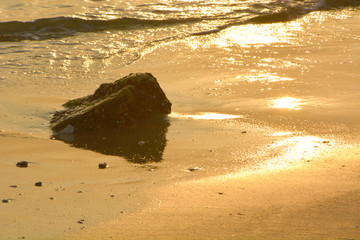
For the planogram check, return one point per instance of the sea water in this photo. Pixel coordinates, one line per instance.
(263, 62)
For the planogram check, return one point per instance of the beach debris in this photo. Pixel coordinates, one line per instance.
(14, 186)
(244, 132)
(103, 165)
(119, 104)
(51, 198)
(22, 164)
(81, 221)
(141, 142)
(80, 191)
(6, 200)
(326, 141)
(38, 184)
(221, 193)
(112, 195)
(194, 169)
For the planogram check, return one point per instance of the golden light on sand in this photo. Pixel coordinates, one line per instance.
(289, 151)
(205, 116)
(286, 102)
(294, 149)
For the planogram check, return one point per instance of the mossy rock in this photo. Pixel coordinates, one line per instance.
(119, 104)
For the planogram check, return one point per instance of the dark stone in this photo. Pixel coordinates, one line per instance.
(81, 221)
(22, 164)
(120, 104)
(38, 184)
(5, 200)
(103, 165)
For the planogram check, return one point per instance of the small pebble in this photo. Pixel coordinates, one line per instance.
(103, 165)
(13, 186)
(326, 141)
(112, 195)
(22, 164)
(81, 221)
(141, 142)
(194, 169)
(5, 200)
(80, 191)
(244, 132)
(221, 193)
(38, 184)
(51, 198)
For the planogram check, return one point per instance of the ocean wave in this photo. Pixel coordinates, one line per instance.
(256, 13)
(59, 27)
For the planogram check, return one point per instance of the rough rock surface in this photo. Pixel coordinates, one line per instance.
(118, 104)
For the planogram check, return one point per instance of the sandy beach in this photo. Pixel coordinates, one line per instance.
(314, 199)
(280, 160)
(318, 200)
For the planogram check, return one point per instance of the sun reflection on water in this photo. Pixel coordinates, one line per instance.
(294, 150)
(291, 150)
(205, 116)
(286, 102)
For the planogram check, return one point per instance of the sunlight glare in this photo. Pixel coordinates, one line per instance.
(206, 116)
(286, 102)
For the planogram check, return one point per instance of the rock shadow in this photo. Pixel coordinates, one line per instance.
(142, 143)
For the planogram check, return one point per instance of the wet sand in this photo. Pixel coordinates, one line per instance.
(318, 200)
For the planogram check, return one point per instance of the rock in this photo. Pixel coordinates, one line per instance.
(38, 184)
(119, 104)
(5, 200)
(103, 165)
(22, 164)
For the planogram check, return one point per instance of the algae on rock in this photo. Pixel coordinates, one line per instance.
(119, 104)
